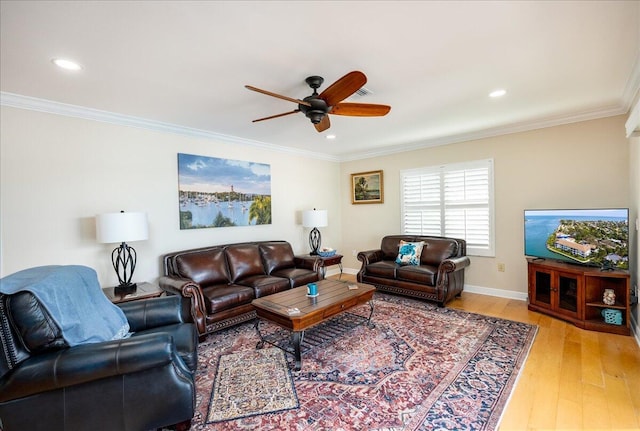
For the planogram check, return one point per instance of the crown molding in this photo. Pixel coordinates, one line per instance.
(524, 126)
(632, 88)
(48, 106)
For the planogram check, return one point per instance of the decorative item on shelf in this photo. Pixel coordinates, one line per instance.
(609, 297)
(123, 227)
(613, 317)
(314, 219)
(326, 252)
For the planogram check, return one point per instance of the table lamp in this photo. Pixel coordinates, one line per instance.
(123, 227)
(314, 218)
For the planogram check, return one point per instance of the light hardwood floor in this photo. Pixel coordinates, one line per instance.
(573, 379)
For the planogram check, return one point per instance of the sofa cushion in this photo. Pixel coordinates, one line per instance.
(436, 250)
(384, 268)
(244, 261)
(409, 253)
(297, 276)
(422, 274)
(37, 329)
(264, 285)
(206, 267)
(277, 255)
(225, 297)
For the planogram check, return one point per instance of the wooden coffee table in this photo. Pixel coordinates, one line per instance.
(297, 312)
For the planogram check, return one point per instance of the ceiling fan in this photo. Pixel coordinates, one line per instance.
(317, 107)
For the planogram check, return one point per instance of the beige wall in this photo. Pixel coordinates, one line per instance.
(572, 166)
(58, 172)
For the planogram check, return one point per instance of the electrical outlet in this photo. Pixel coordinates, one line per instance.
(354, 252)
(501, 267)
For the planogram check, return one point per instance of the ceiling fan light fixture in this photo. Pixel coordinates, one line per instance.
(66, 64)
(315, 116)
(497, 93)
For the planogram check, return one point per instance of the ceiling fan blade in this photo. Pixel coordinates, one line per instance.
(360, 109)
(343, 88)
(276, 116)
(279, 96)
(324, 124)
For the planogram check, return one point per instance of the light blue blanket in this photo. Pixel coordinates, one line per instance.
(73, 297)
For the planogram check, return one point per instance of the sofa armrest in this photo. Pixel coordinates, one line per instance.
(188, 289)
(454, 264)
(370, 256)
(88, 362)
(308, 262)
(152, 313)
(367, 257)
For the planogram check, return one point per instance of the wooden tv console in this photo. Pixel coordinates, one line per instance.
(574, 293)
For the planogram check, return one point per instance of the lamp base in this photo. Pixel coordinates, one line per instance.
(315, 240)
(125, 289)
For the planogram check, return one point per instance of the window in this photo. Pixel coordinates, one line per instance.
(454, 200)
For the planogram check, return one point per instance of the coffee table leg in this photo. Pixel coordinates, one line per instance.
(260, 344)
(296, 339)
(369, 324)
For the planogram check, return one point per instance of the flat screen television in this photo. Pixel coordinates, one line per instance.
(594, 237)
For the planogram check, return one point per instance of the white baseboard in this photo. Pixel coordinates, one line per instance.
(500, 293)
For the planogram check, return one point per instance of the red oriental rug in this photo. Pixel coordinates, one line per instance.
(419, 368)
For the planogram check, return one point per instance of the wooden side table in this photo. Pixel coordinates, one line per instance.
(143, 291)
(336, 259)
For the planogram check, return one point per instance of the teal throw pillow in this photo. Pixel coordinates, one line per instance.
(409, 253)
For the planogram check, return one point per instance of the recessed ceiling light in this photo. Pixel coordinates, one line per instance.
(66, 64)
(331, 136)
(498, 93)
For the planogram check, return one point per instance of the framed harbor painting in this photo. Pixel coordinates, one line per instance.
(216, 192)
(367, 188)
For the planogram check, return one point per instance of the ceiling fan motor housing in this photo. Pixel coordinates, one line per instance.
(316, 111)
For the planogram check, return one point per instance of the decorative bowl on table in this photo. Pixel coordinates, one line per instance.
(326, 252)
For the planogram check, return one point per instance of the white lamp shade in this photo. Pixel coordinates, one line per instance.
(122, 227)
(314, 218)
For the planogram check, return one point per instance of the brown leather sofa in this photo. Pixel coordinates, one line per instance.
(438, 277)
(221, 281)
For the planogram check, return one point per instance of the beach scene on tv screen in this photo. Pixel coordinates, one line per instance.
(588, 237)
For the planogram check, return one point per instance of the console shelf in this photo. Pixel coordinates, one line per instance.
(574, 293)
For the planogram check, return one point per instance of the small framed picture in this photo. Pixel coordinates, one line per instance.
(367, 188)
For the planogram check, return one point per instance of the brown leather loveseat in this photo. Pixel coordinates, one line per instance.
(437, 276)
(221, 281)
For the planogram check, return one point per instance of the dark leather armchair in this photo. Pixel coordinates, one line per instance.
(138, 383)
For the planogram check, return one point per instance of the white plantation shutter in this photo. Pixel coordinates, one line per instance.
(451, 200)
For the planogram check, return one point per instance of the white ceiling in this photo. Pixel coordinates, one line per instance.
(185, 64)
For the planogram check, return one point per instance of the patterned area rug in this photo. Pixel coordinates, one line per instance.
(251, 383)
(420, 368)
